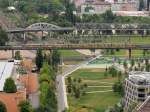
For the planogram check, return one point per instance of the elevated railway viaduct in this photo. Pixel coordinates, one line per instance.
(87, 31)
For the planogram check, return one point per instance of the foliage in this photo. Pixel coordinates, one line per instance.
(125, 65)
(18, 55)
(9, 86)
(55, 59)
(112, 71)
(119, 88)
(3, 37)
(141, 5)
(75, 87)
(39, 59)
(21, 70)
(25, 106)
(2, 107)
(108, 16)
(116, 108)
(48, 102)
(69, 11)
(5, 3)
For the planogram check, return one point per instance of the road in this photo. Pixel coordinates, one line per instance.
(61, 87)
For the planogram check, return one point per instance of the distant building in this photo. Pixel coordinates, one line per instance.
(130, 7)
(124, 6)
(92, 6)
(132, 13)
(11, 8)
(137, 88)
(95, 7)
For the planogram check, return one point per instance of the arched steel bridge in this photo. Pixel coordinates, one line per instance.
(85, 36)
(40, 27)
(82, 27)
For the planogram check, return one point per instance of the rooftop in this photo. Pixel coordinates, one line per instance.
(131, 13)
(11, 100)
(30, 82)
(140, 78)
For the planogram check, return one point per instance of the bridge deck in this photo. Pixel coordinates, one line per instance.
(76, 46)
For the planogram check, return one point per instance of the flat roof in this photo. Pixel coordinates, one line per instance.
(6, 69)
(139, 76)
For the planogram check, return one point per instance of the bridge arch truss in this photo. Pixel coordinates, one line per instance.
(42, 25)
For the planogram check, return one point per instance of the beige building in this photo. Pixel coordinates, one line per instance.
(137, 88)
(124, 6)
(95, 7)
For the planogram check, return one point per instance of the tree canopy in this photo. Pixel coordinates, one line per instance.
(39, 59)
(9, 86)
(2, 107)
(25, 106)
(3, 37)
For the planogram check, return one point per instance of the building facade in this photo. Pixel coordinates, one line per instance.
(137, 88)
(100, 6)
(95, 7)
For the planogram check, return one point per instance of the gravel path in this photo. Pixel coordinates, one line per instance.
(99, 91)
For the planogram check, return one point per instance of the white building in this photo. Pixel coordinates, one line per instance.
(137, 88)
(6, 70)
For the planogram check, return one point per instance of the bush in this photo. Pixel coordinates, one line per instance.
(25, 106)
(9, 86)
(2, 107)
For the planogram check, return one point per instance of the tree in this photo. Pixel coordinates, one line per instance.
(112, 71)
(119, 76)
(105, 74)
(51, 101)
(69, 8)
(39, 59)
(125, 64)
(118, 87)
(148, 5)
(9, 86)
(141, 5)
(2, 107)
(132, 62)
(55, 59)
(147, 67)
(4, 3)
(18, 55)
(3, 37)
(109, 16)
(69, 79)
(25, 106)
(77, 93)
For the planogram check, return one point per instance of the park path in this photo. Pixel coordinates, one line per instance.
(99, 91)
(99, 86)
(60, 83)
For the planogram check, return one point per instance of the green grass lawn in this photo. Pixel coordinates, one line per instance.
(93, 102)
(70, 53)
(124, 53)
(133, 39)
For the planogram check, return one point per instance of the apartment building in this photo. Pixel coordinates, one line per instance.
(100, 6)
(137, 88)
(95, 7)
